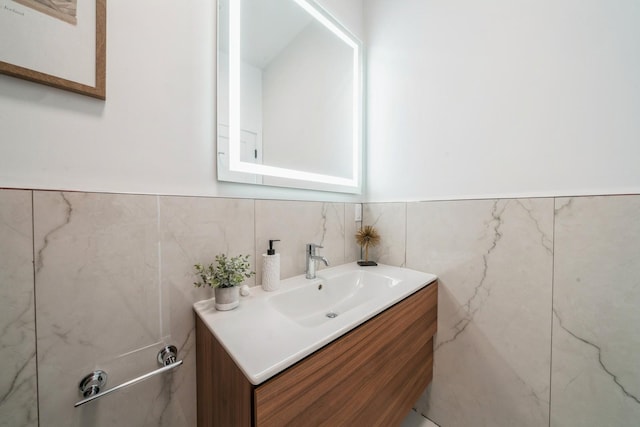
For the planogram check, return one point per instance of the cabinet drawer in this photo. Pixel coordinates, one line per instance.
(370, 376)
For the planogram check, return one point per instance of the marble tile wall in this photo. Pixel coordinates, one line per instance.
(18, 383)
(113, 283)
(538, 299)
(99, 305)
(194, 230)
(389, 219)
(538, 307)
(596, 312)
(492, 355)
(330, 225)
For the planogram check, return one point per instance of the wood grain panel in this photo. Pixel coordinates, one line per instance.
(225, 396)
(370, 376)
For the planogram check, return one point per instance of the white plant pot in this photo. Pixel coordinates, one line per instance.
(227, 298)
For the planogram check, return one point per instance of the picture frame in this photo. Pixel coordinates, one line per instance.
(48, 48)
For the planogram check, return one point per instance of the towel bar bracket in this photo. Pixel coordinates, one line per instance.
(91, 385)
(167, 355)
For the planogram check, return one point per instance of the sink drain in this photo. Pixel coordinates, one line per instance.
(331, 315)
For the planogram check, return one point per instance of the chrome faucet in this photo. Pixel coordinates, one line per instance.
(312, 258)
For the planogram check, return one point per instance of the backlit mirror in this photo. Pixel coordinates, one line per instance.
(289, 96)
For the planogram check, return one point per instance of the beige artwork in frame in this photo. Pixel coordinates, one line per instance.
(61, 9)
(58, 43)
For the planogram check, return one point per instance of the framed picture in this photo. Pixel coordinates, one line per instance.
(60, 43)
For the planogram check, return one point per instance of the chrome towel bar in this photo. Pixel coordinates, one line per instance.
(91, 384)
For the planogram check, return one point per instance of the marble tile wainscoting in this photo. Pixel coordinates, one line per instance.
(596, 312)
(538, 307)
(538, 301)
(18, 382)
(106, 279)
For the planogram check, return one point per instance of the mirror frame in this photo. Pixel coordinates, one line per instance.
(291, 177)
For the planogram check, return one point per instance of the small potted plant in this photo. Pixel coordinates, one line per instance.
(225, 277)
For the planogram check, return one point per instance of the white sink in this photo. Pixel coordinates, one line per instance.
(330, 295)
(271, 331)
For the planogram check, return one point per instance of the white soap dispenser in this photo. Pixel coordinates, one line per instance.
(271, 268)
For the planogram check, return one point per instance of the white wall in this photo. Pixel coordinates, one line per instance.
(498, 98)
(466, 99)
(307, 91)
(156, 131)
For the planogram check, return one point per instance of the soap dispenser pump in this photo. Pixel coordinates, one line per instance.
(271, 268)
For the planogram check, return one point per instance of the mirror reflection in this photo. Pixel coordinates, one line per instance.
(289, 96)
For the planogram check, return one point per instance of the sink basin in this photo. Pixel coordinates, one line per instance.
(327, 297)
(271, 331)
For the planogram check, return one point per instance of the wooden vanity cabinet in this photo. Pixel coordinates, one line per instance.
(370, 376)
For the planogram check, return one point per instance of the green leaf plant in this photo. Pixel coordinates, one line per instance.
(224, 273)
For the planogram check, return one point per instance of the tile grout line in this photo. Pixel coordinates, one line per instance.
(406, 232)
(255, 247)
(362, 223)
(35, 312)
(344, 228)
(163, 334)
(553, 272)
